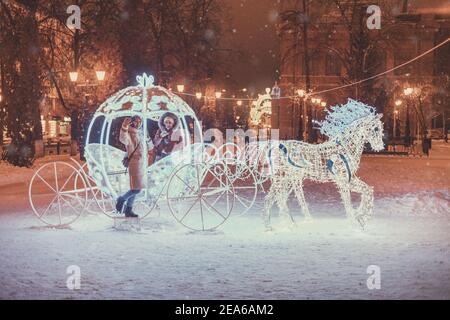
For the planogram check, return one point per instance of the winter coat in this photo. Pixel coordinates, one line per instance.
(133, 139)
(168, 144)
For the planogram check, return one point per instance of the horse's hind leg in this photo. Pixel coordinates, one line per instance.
(299, 194)
(344, 190)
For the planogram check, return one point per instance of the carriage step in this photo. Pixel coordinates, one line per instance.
(127, 224)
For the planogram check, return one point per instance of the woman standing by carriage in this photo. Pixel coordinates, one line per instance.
(131, 135)
(133, 138)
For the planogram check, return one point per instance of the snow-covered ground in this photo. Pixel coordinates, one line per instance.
(408, 239)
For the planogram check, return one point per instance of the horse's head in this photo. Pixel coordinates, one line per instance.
(354, 119)
(372, 131)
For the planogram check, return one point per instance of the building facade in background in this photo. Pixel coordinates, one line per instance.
(327, 44)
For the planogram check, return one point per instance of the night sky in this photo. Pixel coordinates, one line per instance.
(254, 33)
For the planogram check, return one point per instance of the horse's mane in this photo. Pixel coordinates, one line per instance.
(339, 117)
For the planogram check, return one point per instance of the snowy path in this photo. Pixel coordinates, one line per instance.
(409, 239)
(324, 259)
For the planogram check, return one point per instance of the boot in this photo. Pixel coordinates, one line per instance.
(119, 204)
(129, 213)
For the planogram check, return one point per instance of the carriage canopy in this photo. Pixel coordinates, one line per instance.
(146, 99)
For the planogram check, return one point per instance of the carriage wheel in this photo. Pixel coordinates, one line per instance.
(98, 201)
(245, 186)
(200, 196)
(101, 202)
(207, 152)
(52, 196)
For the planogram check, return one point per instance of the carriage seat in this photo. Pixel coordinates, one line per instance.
(107, 155)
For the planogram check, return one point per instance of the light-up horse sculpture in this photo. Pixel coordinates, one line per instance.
(350, 127)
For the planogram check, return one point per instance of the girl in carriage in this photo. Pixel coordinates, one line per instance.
(167, 139)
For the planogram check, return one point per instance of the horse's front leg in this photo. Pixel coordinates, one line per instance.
(299, 194)
(282, 201)
(269, 201)
(344, 190)
(365, 208)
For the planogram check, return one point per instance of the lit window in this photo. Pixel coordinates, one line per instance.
(52, 128)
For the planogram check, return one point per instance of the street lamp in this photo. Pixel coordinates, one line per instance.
(408, 91)
(100, 75)
(398, 103)
(239, 103)
(198, 95)
(323, 104)
(301, 111)
(180, 88)
(395, 123)
(73, 76)
(218, 95)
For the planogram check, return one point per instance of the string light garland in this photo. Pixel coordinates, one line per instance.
(331, 89)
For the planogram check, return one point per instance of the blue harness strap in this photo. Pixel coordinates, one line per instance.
(270, 157)
(330, 164)
(283, 148)
(349, 172)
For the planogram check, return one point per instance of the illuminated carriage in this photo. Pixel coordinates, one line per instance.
(196, 183)
(201, 184)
